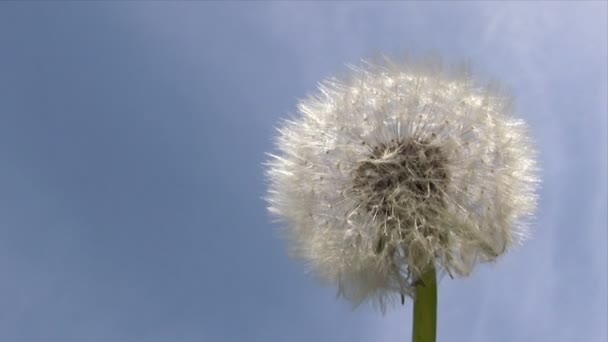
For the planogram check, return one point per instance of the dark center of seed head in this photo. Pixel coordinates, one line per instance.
(399, 180)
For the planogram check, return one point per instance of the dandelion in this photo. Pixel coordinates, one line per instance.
(399, 171)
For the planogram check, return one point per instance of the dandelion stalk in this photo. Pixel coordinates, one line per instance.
(425, 308)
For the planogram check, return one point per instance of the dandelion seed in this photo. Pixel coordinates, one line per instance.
(398, 170)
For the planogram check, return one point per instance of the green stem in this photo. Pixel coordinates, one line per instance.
(425, 308)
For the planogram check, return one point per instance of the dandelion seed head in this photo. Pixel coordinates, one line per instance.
(397, 169)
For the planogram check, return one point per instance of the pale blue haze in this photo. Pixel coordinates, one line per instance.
(131, 142)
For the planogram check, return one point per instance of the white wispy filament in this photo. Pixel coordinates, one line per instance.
(399, 168)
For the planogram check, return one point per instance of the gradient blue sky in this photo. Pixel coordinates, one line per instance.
(131, 143)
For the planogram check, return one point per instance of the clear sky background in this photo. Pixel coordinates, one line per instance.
(131, 142)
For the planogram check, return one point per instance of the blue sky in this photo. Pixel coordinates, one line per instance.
(132, 137)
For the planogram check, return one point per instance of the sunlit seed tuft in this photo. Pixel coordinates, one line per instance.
(398, 168)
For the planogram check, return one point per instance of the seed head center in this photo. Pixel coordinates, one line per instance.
(401, 183)
(401, 178)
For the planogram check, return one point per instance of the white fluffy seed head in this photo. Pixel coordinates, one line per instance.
(399, 168)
